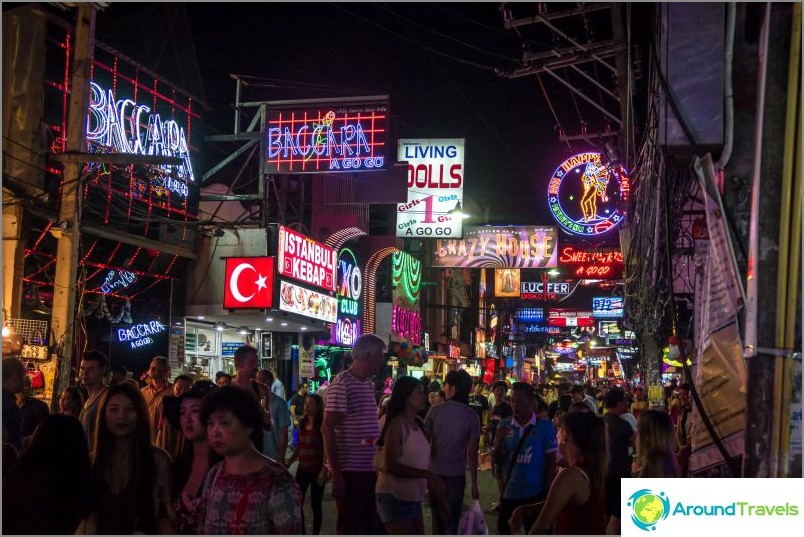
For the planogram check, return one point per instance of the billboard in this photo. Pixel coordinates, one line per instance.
(592, 263)
(350, 288)
(435, 187)
(564, 317)
(584, 194)
(500, 247)
(295, 299)
(609, 307)
(506, 283)
(327, 137)
(249, 282)
(303, 259)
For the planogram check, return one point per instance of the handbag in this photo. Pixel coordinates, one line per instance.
(484, 461)
(36, 376)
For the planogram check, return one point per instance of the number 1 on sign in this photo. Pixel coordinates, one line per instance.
(428, 210)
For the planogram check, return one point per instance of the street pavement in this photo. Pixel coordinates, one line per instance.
(488, 495)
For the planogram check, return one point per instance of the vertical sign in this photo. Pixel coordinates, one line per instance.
(435, 188)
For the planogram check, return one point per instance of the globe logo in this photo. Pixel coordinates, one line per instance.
(648, 508)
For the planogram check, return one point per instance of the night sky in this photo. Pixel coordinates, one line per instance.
(435, 61)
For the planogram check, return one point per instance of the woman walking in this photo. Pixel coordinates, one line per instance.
(311, 472)
(71, 402)
(246, 493)
(403, 462)
(575, 503)
(655, 446)
(130, 476)
(194, 459)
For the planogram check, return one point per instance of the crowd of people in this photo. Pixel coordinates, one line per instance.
(206, 457)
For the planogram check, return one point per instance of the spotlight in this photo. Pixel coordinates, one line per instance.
(284, 324)
(304, 328)
(220, 327)
(269, 319)
(243, 331)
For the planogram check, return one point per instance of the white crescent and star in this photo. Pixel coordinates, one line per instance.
(234, 286)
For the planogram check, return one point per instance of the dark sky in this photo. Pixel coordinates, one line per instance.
(436, 61)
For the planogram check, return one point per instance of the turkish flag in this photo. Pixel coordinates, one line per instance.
(249, 282)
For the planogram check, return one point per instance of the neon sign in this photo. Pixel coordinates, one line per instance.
(533, 328)
(435, 187)
(407, 324)
(582, 196)
(306, 260)
(597, 264)
(117, 279)
(138, 335)
(500, 247)
(529, 314)
(128, 127)
(545, 290)
(327, 138)
(345, 331)
(562, 317)
(611, 307)
(406, 277)
(350, 283)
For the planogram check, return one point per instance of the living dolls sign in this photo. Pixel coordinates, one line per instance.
(584, 194)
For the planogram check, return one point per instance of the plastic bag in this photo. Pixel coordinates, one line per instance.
(473, 521)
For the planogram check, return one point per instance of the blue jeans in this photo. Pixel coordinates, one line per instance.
(455, 486)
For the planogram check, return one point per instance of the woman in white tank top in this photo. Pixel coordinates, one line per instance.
(403, 460)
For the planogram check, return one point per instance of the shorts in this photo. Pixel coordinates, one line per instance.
(392, 509)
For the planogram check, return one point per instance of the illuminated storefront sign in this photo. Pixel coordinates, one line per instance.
(454, 351)
(138, 335)
(117, 279)
(561, 317)
(584, 194)
(611, 307)
(295, 299)
(435, 187)
(609, 328)
(533, 328)
(597, 264)
(128, 127)
(622, 342)
(407, 324)
(506, 283)
(327, 138)
(500, 247)
(533, 315)
(545, 290)
(249, 283)
(345, 331)
(306, 260)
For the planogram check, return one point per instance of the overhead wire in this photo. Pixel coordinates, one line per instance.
(550, 105)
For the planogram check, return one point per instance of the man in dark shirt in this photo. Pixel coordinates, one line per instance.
(619, 437)
(480, 404)
(33, 411)
(561, 404)
(500, 411)
(296, 407)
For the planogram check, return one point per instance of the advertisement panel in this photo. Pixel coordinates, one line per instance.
(349, 291)
(506, 283)
(592, 263)
(608, 307)
(327, 138)
(303, 259)
(500, 247)
(406, 278)
(562, 317)
(584, 194)
(545, 290)
(295, 299)
(435, 187)
(249, 282)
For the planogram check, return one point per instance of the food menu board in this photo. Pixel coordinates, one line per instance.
(295, 299)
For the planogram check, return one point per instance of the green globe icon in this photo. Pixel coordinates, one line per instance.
(648, 509)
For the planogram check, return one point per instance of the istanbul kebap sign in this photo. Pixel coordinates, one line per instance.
(301, 258)
(585, 193)
(500, 247)
(327, 137)
(435, 188)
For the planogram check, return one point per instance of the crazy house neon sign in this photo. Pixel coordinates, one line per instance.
(585, 192)
(127, 127)
(138, 335)
(327, 138)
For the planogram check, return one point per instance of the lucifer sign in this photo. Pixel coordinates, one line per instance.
(249, 282)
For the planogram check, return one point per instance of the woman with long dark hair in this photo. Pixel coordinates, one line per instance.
(655, 446)
(48, 492)
(130, 476)
(575, 504)
(71, 402)
(195, 456)
(403, 474)
(311, 472)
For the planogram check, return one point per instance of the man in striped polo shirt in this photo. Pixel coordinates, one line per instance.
(350, 430)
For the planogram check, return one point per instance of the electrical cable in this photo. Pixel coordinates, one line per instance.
(550, 105)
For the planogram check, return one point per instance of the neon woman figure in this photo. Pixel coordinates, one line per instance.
(319, 135)
(595, 179)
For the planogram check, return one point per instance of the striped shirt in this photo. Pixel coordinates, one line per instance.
(359, 428)
(311, 450)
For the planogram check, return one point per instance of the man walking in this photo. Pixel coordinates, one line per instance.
(156, 389)
(90, 374)
(350, 431)
(296, 407)
(683, 429)
(246, 364)
(454, 432)
(275, 441)
(526, 447)
(619, 437)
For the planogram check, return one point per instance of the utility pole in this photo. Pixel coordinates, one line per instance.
(63, 316)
